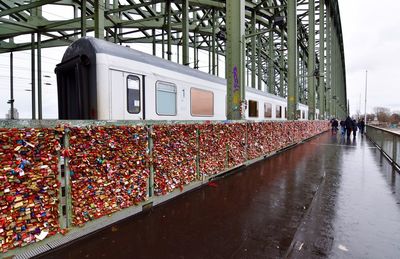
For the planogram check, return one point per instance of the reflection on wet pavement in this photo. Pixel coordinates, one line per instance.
(355, 213)
(326, 198)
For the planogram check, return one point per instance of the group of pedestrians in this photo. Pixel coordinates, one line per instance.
(347, 126)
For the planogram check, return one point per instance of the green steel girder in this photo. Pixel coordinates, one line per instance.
(191, 24)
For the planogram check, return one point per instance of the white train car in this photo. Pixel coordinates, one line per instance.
(101, 80)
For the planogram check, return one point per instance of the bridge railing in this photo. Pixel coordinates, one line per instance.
(63, 177)
(388, 141)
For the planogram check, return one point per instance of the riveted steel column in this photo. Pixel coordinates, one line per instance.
(322, 59)
(292, 58)
(11, 85)
(311, 60)
(329, 62)
(33, 75)
(217, 57)
(282, 66)
(259, 63)
(169, 36)
(106, 9)
(83, 18)
(271, 69)
(195, 51)
(301, 78)
(99, 19)
(253, 50)
(213, 39)
(75, 16)
(235, 25)
(39, 74)
(116, 15)
(334, 66)
(185, 32)
(153, 42)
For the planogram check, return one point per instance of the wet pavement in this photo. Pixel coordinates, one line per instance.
(327, 198)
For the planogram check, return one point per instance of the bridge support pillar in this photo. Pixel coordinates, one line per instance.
(235, 25)
(292, 58)
(322, 73)
(185, 32)
(311, 60)
(99, 19)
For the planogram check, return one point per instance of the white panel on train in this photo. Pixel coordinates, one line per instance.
(116, 95)
(125, 96)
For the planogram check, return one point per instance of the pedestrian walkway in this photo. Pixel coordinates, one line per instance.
(326, 198)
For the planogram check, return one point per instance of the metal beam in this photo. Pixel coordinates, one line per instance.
(33, 81)
(271, 66)
(99, 19)
(235, 25)
(185, 32)
(11, 101)
(213, 42)
(311, 60)
(39, 75)
(83, 18)
(322, 74)
(253, 50)
(292, 58)
(26, 7)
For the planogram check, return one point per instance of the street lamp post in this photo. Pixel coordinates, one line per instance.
(365, 103)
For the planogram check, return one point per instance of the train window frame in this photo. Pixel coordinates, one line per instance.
(191, 102)
(129, 77)
(156, 96)
(278, 110)
(269, 108)
(257, 110)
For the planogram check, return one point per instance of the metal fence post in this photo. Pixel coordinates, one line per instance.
(68, 190)
(150, 181)
(227, 156)
(198, 176)
(247, 142)
(394, 158)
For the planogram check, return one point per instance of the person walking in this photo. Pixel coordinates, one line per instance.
(362, 126)
(354, 128)
(349, 126)
(335, 125)
(342, 128)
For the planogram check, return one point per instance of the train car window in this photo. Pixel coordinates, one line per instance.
(165, 98)
(133, 88)
(253, 108)
(278, 111)
(267, 110)
(201, 102)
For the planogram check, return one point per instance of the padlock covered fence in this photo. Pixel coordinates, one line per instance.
(59, 175)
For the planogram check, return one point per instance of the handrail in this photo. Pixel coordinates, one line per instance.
(387, 141)
(385, 129)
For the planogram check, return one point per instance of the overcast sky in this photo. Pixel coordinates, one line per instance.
(371, 33)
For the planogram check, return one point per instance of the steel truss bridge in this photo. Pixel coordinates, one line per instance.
(289, 48)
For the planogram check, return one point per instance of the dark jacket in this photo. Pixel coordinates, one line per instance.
(349, 123)
(354, 125)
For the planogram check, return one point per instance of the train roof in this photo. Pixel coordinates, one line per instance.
(90, 46)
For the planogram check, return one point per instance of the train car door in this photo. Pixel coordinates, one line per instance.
(125, 96)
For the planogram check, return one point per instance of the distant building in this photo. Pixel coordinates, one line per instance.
(16, 114)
